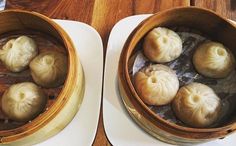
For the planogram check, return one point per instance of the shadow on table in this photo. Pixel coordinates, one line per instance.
(233, 4)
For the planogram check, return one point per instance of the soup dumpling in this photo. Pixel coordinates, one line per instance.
(16, 54)
(213, 60)
(23, 101)
(156, 84)
(197, 105)
(162, 45)
(49, 69)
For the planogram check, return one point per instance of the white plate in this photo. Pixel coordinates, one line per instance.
(120, 129)
(82, 129)
(2, 4)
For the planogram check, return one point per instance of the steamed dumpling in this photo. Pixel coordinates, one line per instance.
(23, 101)
(197, 105)
(156, 84)
(213, 60)
(16, 54)
(49, 69)
(162, 45)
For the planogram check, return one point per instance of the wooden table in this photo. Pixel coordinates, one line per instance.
(103, 14)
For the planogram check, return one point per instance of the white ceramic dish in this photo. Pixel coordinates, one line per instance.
(82, 129)
(120, 129)
(2, 4)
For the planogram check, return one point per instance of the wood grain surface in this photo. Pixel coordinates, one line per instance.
(226, 8)
(103, 14)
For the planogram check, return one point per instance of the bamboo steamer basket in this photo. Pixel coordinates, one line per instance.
(208, 23)
(60, 110)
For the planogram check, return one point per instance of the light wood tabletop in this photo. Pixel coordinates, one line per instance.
(103, 14)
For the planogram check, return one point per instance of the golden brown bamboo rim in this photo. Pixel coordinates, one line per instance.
(138, 34)
(7, 136)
